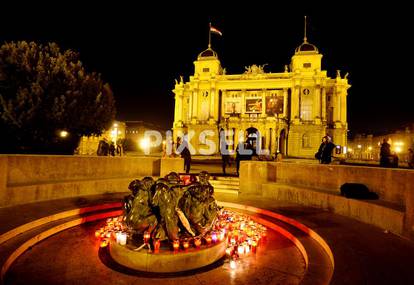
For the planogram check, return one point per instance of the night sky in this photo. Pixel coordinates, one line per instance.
(141, 50)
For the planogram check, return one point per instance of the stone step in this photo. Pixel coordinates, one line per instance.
(224, 183)
(227, 187)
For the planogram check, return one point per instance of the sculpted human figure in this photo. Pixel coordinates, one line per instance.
(197, 205)
(140, 217)
(166, 199)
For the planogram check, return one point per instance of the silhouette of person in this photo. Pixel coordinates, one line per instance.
(385, 154)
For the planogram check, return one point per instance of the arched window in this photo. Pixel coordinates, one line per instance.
(306, 140)
(306, 105)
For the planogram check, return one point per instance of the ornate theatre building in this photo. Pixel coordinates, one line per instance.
(291, 110)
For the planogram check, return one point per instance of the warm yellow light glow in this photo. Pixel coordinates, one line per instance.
(398, 143)
(359, 146)
(144, 143)
(63, 134)
(398, 149)
(350, 149)
(370, 148)
(346, 150)
(115, 125)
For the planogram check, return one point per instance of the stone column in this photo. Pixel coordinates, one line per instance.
(195, 103)
(243, 93)
(335, 106)
(176, 108)
(343, 107)
(285, 103)
(274, 139)
(323, 113)
(267, 142)
(212, 97)
(317, 103)
(294, 102)
(263, 103)
(190, 107)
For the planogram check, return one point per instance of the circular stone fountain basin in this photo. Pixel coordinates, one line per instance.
(167, 261)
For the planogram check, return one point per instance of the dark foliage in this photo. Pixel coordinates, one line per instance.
(43, 91)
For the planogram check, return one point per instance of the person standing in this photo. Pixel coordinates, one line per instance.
(410, 158)
(239, 156)
(225, 157)
(385, 154)
(186, 154)
(325, 150)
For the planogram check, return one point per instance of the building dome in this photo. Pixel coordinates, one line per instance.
(306, 47)
(207, 53)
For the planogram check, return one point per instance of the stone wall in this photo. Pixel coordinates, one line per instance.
(394, 186)
(32, 178)
(390, 184)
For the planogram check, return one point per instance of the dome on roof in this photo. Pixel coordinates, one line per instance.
(208, 53)
(306, 47)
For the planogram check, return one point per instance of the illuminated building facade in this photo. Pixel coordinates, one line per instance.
(292, 110)
(367, 147)
(89, 145)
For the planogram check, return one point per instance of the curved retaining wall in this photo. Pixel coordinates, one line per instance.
(33, 178)
(394, 186)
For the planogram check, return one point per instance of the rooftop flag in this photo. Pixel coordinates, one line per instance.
(214, 30)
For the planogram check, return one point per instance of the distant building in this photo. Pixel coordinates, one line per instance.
(292, 110)
(135, 132)
(367, 147)
(89, 145)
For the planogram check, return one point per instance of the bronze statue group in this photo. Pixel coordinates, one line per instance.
(169, 210)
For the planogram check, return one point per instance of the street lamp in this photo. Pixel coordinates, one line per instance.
(63, 134)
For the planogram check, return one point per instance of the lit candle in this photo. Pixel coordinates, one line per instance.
(186, 244)
(176, 244)
(254, 246)
(214, 236)
(104, 243)
(229, 251)
(208, 239)
(246, 248)
(122, 238)
(233, 264)
(146, 237)
(197, 242)
(222, 235)
(240, 249)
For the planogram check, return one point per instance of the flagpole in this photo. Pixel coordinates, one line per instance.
(209, 36)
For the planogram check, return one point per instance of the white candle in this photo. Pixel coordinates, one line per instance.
(122, 238)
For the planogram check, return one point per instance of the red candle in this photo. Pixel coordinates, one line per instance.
(157, 244)
(208, 239)
(104, 243)
(176, 244)
(197, 242)
(186, 244)
(146, 237)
